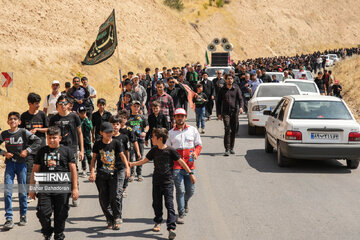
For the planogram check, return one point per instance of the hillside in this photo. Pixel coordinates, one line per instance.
(348, 74)
(42, 40)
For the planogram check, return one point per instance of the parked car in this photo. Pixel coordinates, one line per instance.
(312, 127)
(266, 97)
(333, 57)
(306, 87)
(279, 75)
(211, 71)
(328, 61)
(309, 75)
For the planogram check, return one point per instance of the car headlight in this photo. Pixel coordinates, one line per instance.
(259, 107)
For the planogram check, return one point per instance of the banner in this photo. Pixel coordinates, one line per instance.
(207, 58)
(191, 95)
(105, 43)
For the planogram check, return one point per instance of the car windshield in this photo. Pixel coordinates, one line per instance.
(305, 86)
(308, 74)
(276, 91)
(212, 71)
(279, 77)
(320, 110)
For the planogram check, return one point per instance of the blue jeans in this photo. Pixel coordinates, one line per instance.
(184, 189)
(19, 169)
(200, 117)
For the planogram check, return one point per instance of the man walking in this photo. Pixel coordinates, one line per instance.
(50, 100)
(229, 106)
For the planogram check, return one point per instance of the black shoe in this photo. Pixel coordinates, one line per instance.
(227, 153)
(47, 237)
(9, 224)
(232, 151)
(59, 236)
(117, 224)
(23, 221)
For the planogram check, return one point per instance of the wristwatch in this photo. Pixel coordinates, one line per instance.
(191, 173)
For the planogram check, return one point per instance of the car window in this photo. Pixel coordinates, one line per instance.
(320, 110)
(282, 110)
(276, 111)
(305, 86)
(276, 91)
(212, 71)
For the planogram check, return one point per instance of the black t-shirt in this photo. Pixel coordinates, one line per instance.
(138, 124)
(320, 83)
(163, 164)
(124, 139)
(39, 120)
(98, 119)
(132, 135)
(54, 159)
(68, 125)
(108, 158)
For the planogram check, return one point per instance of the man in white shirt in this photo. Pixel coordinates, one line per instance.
(50, 100)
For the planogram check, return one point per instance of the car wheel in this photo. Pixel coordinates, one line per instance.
(268, 147)
(352, 164)
(251, 130)
(282, 161)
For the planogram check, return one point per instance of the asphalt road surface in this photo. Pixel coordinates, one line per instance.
(244, 196)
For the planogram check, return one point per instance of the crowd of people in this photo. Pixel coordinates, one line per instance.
(68, 135)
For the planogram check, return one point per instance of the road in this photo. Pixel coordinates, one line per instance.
(244, 196)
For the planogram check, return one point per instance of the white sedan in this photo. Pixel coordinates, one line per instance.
(266, 97)
(307, 87)
(312, 127)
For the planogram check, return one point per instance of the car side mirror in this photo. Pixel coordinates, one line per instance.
(267, 112)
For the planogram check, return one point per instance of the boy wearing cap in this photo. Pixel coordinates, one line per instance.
(140, 125)
(50, 100)
(111, 170)
(164, 158)
(100, 116)
(86, 127)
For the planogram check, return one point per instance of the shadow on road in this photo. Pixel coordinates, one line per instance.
(264, 162)
(243, 132)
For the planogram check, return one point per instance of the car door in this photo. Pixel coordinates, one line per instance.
(279, 124)
(272, 121)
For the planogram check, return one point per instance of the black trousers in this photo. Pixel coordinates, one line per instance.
(110, 194)
(133, 158)
(231, 125)
(209, 108)
(166, 191)
(57, 203)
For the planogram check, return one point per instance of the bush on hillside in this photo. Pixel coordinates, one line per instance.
(176, 4)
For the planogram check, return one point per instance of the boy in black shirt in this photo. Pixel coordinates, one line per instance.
(163, 182)
(140, 125)
(100, 116)
(336, 89)
(156, 120)
(17, 143)
(200, 100)
(112, 168)
(36, 122)
(54, 158)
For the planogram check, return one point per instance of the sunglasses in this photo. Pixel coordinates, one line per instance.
(63, 103)
(171, 82)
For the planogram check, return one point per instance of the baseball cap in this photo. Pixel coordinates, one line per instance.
(136, 102)
(336, 81)
(55, 82)
(82, 109)
(106, 127)
(180, 111)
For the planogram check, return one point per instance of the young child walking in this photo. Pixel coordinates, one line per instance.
(163, 182)
(54, 158)
(200, 100)
(156, 120)
(19, 143)
(111, 170)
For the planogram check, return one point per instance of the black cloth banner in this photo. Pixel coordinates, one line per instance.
(105, 43)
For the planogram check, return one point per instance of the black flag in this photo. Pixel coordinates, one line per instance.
(105, 43)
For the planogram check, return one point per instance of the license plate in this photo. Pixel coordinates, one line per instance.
(325, 136)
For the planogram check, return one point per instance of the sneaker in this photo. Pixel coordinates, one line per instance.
(186, 207)
(46, 237)
(180, 219)
(202, 131)
(23, 221)
(172, 234)
(9, 224)
(117, 224)
(29, 199)
(75, 203)
(140, 178)
(59, 236)
(227, 153)
(83, 174)
(124, 194)
(131, 178)
(156, 227)
(232, 151)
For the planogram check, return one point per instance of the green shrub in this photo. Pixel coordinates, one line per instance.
(219, 3)
(176, 4)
